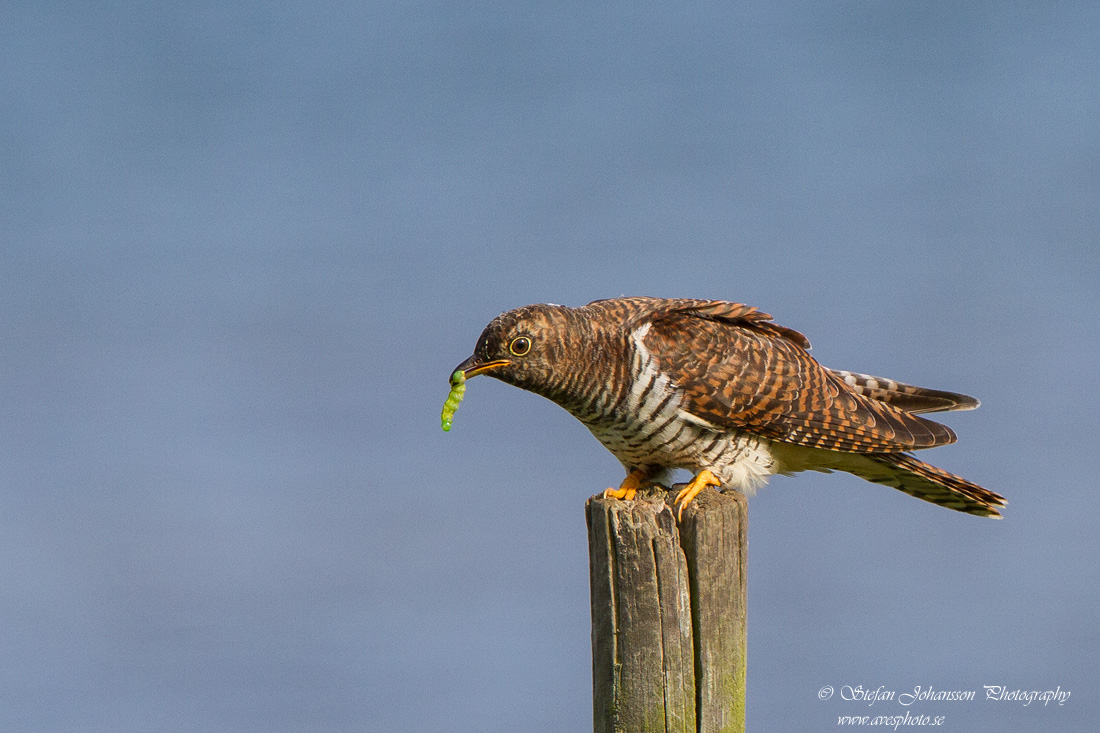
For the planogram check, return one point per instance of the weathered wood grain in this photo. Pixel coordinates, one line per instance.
(668, 613)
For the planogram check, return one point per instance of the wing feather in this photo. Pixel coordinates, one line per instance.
(906, 396)
(739, 370)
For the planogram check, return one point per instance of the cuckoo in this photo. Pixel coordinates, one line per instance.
(719, 389)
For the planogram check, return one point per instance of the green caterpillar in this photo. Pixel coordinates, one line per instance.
(458, 389)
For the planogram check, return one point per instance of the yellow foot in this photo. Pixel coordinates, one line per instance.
(628, 488)
(697, 484)
(619, 493)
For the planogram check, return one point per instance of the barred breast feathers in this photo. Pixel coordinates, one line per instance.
(742, 461)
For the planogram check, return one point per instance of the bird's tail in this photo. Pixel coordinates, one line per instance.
(924, 481)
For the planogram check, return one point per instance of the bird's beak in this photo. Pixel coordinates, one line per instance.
(472, 367)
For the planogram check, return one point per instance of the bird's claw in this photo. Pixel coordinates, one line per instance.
(619, 493)
(704, 479)
(628, 488)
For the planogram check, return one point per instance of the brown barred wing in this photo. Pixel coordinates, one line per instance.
(754, 377)
(905, 396)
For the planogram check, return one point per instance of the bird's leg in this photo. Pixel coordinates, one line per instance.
(628, 487)
(701, 481)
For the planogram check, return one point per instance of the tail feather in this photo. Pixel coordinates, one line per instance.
(905, 396)
(898, 470)
(924, 481)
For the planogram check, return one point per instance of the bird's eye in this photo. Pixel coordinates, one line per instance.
(520, 345)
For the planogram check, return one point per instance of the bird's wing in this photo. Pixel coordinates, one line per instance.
(739, 370)
(906, 396)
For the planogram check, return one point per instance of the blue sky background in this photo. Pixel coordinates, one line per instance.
(245, 243)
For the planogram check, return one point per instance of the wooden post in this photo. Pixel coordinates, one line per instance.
(668, 613)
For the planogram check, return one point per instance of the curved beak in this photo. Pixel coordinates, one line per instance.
(472, 367)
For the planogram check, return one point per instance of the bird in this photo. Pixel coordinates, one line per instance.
(721, 390)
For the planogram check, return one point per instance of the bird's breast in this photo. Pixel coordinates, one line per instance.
(642, 422)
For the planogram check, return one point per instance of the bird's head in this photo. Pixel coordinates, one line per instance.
(526, 347)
